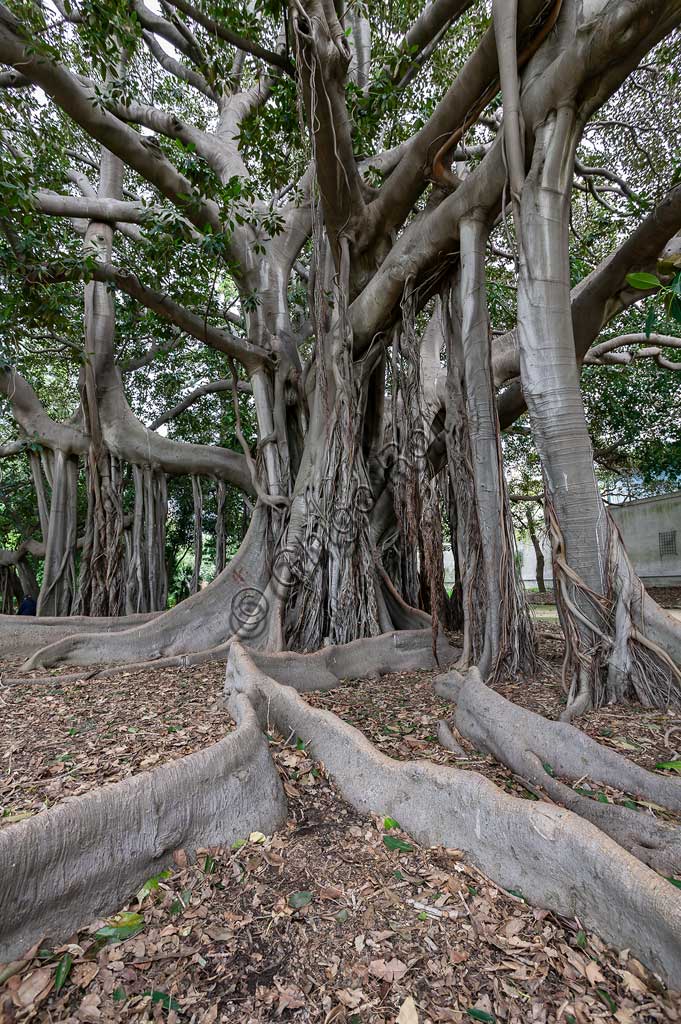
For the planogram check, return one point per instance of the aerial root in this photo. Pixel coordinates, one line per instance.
(542, 752)
(557, 859)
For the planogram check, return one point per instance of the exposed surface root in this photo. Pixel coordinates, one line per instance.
(538, 750)
(231, 603)
(445, 737)
(399, 651)
(21, 636)
(495, 724)
(83, 857)
(556, 859)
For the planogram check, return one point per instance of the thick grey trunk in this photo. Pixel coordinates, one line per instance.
(600, 599)
(59, 572)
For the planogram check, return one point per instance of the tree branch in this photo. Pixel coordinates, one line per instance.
(605, 353)
(217, 28)
(174, 67)
(29, 413)
(79, 101)
(195, 395)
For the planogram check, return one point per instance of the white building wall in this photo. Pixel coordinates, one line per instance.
(651, 531)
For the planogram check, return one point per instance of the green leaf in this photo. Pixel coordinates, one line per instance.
(674, 881)
(650, 320)
(672, 766)
(152, 884)
(164, 999)
(119, 995)
(643, 281)
(549, 770)
(239, 843)
(120, 927)
(299, 899)
(342, 916)
(602, 798)
(389, 823)
(517, 893)
(395, 843)
(580, 939)
(209, 864)
(481, 1015)
(607, 999)
(63, 971)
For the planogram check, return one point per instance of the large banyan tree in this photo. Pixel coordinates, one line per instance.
(326, 197)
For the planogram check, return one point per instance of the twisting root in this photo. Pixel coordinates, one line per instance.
(607, 656)
(538, 751)
(555, 858)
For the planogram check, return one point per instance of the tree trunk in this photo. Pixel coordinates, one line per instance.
(538, 552)
(58, 588)
(599, 598)
(102, 574)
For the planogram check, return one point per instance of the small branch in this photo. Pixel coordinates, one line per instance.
(218, 28)
(606, 354)
(173, 67)
(204, 389)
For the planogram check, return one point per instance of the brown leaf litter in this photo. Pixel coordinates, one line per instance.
(320, 922)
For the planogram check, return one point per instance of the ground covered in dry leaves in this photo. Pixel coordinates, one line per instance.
(335, 918)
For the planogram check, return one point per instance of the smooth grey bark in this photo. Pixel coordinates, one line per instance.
(556, 859)
(538, 551)
(59, 570)
(542, 753)
(86, 856)
(598, 596)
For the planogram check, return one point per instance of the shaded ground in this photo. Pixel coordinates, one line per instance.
(321, 922)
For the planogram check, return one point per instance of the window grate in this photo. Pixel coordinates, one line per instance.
(667, 544)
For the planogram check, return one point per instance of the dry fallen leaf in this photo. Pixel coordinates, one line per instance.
(593, 973)
(391, 971)
(408, 1013)
(34, 988)
(84, 974)
(633, 984)
(350, 997)
(89, 1011)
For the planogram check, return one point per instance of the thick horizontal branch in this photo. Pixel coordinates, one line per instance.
(108, 210)
(250, 356)
(39, 428)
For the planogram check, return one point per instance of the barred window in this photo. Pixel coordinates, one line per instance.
(667, 544)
